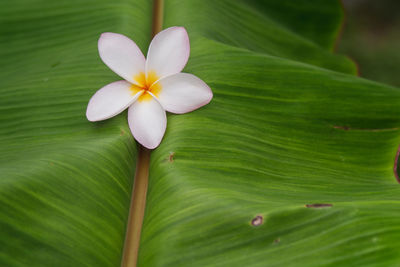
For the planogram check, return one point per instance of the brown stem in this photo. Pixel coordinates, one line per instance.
(158, 10)
(138, 200)
(137, 207)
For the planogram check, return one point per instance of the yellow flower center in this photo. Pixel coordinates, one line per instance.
(147, 84)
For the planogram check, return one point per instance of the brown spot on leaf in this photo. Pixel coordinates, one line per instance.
(347, 128)
(171, 156)
(319, 205)
(257, 221)
(341, 127)
(276, 241)
(122, 133)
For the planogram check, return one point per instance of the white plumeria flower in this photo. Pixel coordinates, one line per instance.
(151, 86)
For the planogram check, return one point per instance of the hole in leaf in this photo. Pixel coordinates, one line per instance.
(257, 221)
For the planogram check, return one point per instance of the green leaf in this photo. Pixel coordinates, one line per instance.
(65, 183)
(287, 127)
(277, 136)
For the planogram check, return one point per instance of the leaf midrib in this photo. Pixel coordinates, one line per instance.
(139, 191)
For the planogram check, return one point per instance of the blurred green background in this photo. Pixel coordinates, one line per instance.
(371, 37)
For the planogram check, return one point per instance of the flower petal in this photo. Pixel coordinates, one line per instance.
(168, 52)
(111, 100)
(147, 121)
(122, 55)
(183, 92)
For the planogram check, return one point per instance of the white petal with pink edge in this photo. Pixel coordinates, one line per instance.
(122, 55)
(168, 52)
(183, 92)
(147, 121)
(111, 100)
